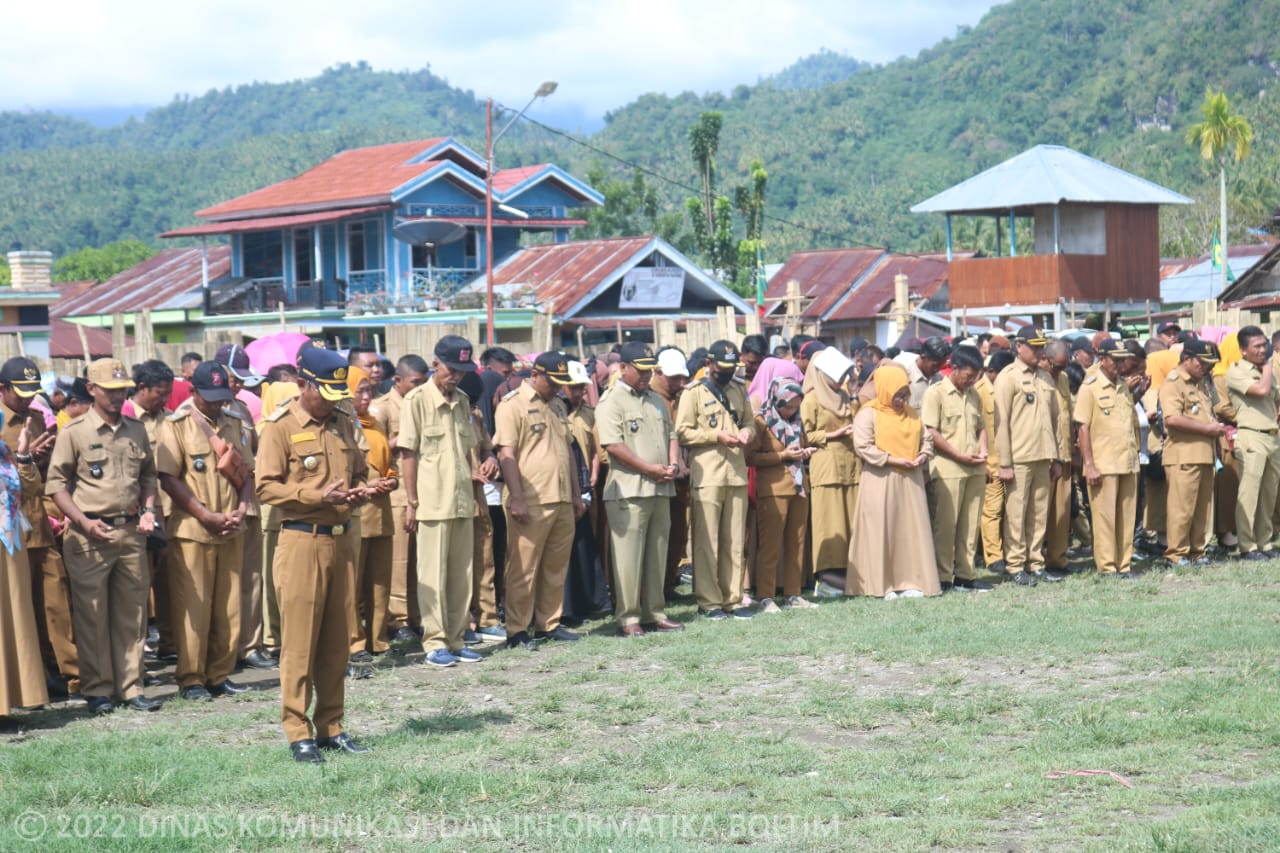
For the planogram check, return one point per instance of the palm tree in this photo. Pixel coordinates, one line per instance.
(1220, 130)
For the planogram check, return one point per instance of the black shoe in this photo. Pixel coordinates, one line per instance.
(342, 741)
(359, 671)
(970, 585)
(1125, 576)
(257, 660)
(1254, 556)
(1049, 577)
(715, 614)
(1024, 578)
(142, 703)
(403, 635)
(361, 656)
(522, 640)
(1271, 554)
(57, 688)
(195, 693)
(99, 705)
(680, 596)
(947, 586)
(561, 635)
(998, 567)
(306, 752)
(741, 612)
(229, 688)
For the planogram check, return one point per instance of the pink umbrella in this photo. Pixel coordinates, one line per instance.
(280, 348)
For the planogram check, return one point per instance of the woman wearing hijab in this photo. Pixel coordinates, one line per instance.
(778, 452)
(22, 682)
(891, 543)
(371, 580)
(827, 415)
(769, 370)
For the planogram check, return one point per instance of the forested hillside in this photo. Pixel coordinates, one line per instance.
(1118, 79)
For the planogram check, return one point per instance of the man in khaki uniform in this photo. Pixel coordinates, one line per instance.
(715, 423)
(1252, 390)
(1189, 452)
(993, 494)
(402, 614)
(543, 502)
(435, 445)
(206, 550)
(668, 382)
(1027, 441)
(637, 432)
(309, 464)
(1109, 444)
(1054, 360)
(51, 592)
(103, 478)
(952, 411)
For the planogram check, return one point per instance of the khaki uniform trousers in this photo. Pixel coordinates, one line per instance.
(780, 526)
(1187, 509)
(1226, 491)
(370, 594)
(161, 599)
(1115, 509)
(992, 520)
(1257, 455)
(270, 607)
(957, 510)
(109, 587)
(678, 538)
(537, 565)
(1026, 516)
(639, 530)
(205, 581)
(484, 593)
(719, 531)
(445, 554)
(831, 514)
(1057, 535)
(251, 603)
(311, 574)
(51, 595)
(402, 609)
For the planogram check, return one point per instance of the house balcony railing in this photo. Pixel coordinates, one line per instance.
(476, 211)
(440, 281)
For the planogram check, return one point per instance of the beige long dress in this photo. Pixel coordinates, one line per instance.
(22, 681)
(891, 543)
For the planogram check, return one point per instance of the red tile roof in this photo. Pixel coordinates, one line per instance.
(564, 273)
(926, 274)
(64, 340)
(164, 281)
(269, 223)
(824, 275)
(505, 179)
(355, 177)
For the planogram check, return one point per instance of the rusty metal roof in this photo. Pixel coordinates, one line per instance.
(170, 280)
(926, 274)
(824, 275)
(64, 340)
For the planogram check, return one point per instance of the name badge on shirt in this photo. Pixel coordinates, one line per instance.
(634, 424)
(95, 470)
(199, 464)
(537, 428)
(1031, 398)
(1195, 408)
(712, 421)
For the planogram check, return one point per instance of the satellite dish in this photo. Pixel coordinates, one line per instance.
(434, 231)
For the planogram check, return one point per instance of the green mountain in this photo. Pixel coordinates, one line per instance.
(1117, 79)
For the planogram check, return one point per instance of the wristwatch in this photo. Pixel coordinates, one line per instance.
(413, 504)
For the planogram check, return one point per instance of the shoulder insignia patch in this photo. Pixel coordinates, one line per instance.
(178, 415)
(297, 437)
(278, 413)
(510, 394)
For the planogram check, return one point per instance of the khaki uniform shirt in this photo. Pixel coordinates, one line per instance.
(918, 383)
(1026, 416)
(538, 432)
(1155, 440)
(835, 463)
(105, 469)
(41, 534)
(700, 418)
(987, 398)
(386, 411)
(957, 417)
(151, 421)
(642, 422)
(1065, 407)
(1107, 409)
(299, 457)
(1255, 413)
(582, 426)
(1182, 395)
(181, 449)
(439, 432)
(774, 476)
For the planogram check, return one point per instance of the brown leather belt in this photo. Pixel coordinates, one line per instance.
(314, 529)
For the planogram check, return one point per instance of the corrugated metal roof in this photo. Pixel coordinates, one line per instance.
(1047, 174)
(824, 275)
(64, 340)
(926, 274)
(270, 223)
(171, 279)
(1196, 279)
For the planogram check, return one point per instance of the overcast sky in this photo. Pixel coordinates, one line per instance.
(603, 53)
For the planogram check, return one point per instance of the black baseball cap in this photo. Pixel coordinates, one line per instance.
(22, 375)
(555, 366)
(1203, 350)
(809, 349)
(1031, 336)
(1113, 348)
(472, 385)
(326, 370)
(210, 381)
(454, 351)
(79, 390)
(639, 355)
(236, 361)
(724, 354)
(1168, 326)
(1082, 344)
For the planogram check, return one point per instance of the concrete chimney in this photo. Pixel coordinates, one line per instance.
(31, 270)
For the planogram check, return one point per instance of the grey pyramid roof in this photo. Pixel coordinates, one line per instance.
(1047, 174)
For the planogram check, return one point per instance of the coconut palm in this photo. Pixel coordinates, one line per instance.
(1220, 130)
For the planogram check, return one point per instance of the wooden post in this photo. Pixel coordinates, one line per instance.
(1149, 329)
(22, 350)
(618, 326)
(282, 323)
(117, 333)
(1073, 312)
(84, 343)
(1106, 323)
(581, 346)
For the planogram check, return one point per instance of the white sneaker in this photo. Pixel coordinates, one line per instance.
(795, 602)
(911, 593)
(890, 596)
(822, 589)
(770, 606)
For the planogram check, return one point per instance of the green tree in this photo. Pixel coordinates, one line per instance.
(1220, 130)
(101, 264)
(704, 144)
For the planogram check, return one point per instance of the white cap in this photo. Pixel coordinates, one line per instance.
(672, 363)
(578, 373)
(833, 363)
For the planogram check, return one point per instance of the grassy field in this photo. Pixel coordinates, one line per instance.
(863, 725)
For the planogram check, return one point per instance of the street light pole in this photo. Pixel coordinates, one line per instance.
(543, 91)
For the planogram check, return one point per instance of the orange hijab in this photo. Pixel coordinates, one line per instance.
(379, 454)
(897, 434)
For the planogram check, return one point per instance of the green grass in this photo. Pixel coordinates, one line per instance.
(861, 725)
